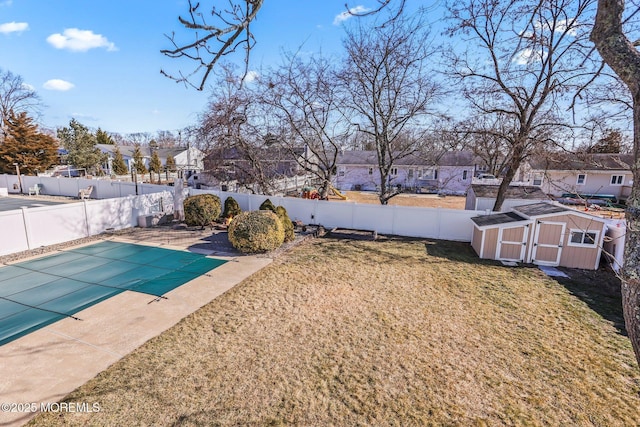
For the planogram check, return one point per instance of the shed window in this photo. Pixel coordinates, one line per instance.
(582, 178)
(617, 179)
(583, 238)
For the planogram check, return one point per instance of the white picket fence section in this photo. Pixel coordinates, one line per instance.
(433, 223)
(30, 228)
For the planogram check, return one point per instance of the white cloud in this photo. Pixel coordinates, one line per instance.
(341, 17)
(251, 76)
(525, 56)
(27, 86)
(13, 27)
(57, 84)
(79, 40)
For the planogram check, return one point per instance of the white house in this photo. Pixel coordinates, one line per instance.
(580, 174)
(449, 173)
(188, 160)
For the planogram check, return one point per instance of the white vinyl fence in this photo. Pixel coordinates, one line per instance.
(120, 207)
(63, 186)
(24, 229)
(434, 223)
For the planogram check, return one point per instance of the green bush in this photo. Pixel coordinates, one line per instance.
(267, 205)
(287, 224)
(256, 231)
(202, 209)
(231, 208)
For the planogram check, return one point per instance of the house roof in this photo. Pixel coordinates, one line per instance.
(496, 219)
(583, 162)
(513, 192)
(369, 158)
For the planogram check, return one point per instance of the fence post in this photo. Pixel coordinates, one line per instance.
(86, 219)
(27, 230)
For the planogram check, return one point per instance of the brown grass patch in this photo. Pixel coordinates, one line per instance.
(393, 332)
(406, 199)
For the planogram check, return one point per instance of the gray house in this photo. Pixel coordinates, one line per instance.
(448, 173)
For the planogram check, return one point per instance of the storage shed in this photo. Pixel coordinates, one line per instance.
(481, 197)
(541, 233)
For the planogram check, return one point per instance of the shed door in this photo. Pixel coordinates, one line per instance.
(512, 242)
(547, 243)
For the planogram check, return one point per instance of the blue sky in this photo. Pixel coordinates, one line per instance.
(99, 61)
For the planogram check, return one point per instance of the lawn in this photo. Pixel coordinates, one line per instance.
(392, 332)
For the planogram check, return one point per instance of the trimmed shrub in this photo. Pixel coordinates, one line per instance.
(287, 224)
(201, 209)
(231, 208)
(256, 231)
(268, 205)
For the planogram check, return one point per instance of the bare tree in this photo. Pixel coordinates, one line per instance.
(389, 89)
(16, 96)
(523, 62)
(622, 56)
(233, 135)
(305, 99)
(221, 30)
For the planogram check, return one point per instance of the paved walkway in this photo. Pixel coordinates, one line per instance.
(46, 365)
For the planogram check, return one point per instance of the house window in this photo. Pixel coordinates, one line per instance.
(393, 171)
(582, 178)
(410, 175)
(341, 171)
(464, 175)
(537, 180)
(617, 179)
(430, 174)
(370, 171)
(583, 238)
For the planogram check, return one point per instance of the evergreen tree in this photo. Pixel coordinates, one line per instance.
(138, 161)
(81, 145)
(155, 165)
(103, 137)
(170, 164)
(25, 145)
(119, 166)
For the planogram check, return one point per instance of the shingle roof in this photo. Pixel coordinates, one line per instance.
(369, 157)
(596, 161)
(513, 192)
(495, 219)
(538, 209)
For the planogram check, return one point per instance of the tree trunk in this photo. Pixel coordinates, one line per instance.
(514, 164)
(618, 52)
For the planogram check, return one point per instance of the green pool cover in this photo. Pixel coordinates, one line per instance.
(36, 293)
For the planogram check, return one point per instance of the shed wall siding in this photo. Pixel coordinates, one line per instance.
(476, 240)
(490, 242)
(575, 256)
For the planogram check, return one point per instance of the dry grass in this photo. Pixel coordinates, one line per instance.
(406, 199)
(343, 332)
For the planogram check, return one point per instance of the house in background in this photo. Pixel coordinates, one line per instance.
(449, 173)
(542, 234)
(481, 197)
(580, 174)
(188, 160)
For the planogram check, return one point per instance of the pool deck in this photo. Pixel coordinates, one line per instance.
(48, 364)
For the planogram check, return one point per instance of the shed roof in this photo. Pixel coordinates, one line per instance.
(513, 192)
(500, 218)
(538, 209)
